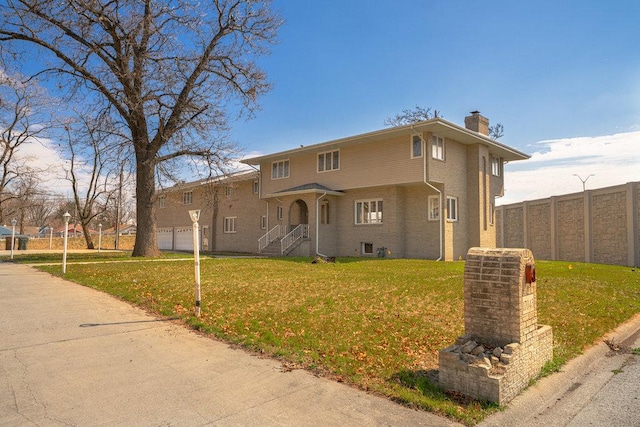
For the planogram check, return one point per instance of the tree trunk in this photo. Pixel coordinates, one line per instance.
(87, 235)
(146, 237)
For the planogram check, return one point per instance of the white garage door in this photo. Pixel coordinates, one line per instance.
(184, 239)
(165, 238)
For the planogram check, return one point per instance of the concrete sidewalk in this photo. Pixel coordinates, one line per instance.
(70, 355)
(599, 388)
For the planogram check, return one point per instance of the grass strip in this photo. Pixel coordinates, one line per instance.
(374, 323)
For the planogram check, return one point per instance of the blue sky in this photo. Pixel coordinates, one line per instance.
(547, 70)
(563, 77)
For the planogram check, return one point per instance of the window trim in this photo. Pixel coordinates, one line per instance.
(453, 215)
(324, 161)
(162, 201)
(286, 169)
(187, 197)
(437, 149)
(430, 215)
(359, 217)
(413, 146)
(229, 225)
(325, 213)
(496, 166)
(363, 246)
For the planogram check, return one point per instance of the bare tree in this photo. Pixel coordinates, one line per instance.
(167, 70)
(92, 164)
(407, 117)
(19, 104)
(419, 114)
(496, 131)
(40, 210)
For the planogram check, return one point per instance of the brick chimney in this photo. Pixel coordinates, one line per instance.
(477, 123)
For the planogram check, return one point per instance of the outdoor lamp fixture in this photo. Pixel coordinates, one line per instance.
(195, 216)
(66, 217)
(584, 181)
(99, 236)
(13, 235)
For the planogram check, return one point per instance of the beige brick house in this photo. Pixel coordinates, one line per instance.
(424, 190)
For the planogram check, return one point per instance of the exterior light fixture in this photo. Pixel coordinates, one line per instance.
(99, 236)
(195, 216)
(66, 218)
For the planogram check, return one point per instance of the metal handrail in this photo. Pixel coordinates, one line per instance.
(300, 232)
(269, 237)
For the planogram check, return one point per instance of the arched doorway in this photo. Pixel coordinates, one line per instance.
(298, 214)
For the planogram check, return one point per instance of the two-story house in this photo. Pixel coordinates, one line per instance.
(424, 190)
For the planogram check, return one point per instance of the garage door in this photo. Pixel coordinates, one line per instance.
(165, 238)
(184, 239)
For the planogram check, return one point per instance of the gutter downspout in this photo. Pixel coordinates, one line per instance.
(318, 225)
(424, 178)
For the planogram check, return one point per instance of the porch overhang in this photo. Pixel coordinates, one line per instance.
(313, 188)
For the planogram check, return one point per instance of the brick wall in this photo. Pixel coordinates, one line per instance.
(503, 347)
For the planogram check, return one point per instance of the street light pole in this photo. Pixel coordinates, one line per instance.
(584, 181)
(13, 235)
(195, 216)
(99, 236)
(66, 218)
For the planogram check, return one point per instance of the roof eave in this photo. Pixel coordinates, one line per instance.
(463, 135)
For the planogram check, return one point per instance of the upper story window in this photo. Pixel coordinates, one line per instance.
(452, 208)
(280, 169)
(496, 166)
(416, 146)
(162, 202)
(228, 191)
(329, 161)
(256, 187)
(187, 197)
(368, 211)
(437, 147)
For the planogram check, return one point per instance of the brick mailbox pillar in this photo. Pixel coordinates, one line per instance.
(503, 347)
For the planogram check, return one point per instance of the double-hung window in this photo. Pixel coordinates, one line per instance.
(229, 224)
(452, 208)
(280, 169)
(329, 161)
(437, 147)
(416, 147)
(187, 197)
(368, 211)
(162, 202)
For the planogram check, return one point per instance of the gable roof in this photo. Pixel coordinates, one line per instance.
(437, 126)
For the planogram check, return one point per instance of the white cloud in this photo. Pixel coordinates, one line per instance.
(612, 159)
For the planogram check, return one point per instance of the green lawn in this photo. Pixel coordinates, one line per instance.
(375, 323)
